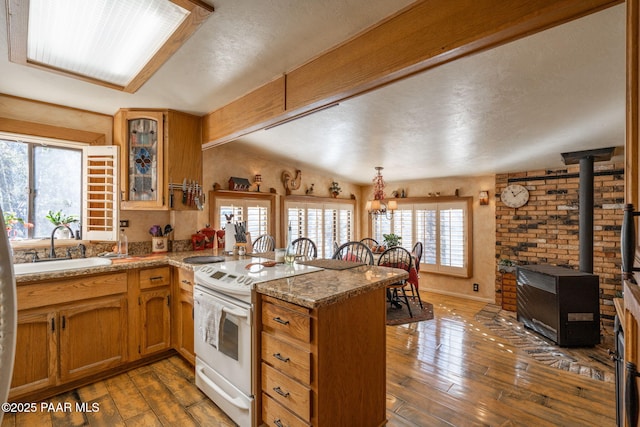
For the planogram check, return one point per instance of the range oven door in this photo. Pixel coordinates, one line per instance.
(231, 359)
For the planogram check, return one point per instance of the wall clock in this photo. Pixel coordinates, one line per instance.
(515, 196)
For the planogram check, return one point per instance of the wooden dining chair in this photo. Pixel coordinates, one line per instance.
(371, 243)
(305, 247)
(264, 243)
(397, 257)
(417, 257)
(417, 254)
(354, 251)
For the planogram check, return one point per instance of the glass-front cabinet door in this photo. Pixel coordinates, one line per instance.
(142, 141)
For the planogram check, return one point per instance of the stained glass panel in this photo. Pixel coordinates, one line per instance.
(143, 159)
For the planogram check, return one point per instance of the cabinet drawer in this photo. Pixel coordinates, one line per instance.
(291, 323)
(289, 359)
(152, 277)
(274, 415)
(76, 289)
(287, 392)
(185, 279)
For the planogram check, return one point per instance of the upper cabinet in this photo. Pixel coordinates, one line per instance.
(161, 159)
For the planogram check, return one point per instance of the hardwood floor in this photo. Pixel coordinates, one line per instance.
(449, 371)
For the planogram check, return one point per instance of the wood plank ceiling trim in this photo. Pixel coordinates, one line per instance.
(422, 36)
(17, 24)
(48, 131)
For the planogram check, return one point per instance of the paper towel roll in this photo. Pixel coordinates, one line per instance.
(229, 240)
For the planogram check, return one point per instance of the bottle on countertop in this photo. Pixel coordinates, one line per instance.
(123, 245)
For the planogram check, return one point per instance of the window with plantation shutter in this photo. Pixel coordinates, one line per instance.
(39, 174)
(401, 224)
(254, 212)
(100, 184)
(443, 227)
(322, 222)
(452, 237)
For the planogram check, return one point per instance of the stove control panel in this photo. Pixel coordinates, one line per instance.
(213, 275)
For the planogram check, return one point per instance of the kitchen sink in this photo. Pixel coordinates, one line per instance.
(63, 264)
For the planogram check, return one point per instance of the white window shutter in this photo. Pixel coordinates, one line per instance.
(101, 190)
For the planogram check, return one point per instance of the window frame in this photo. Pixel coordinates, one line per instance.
(417, 203)
(319, 202)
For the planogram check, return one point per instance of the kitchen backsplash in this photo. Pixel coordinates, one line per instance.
(93, 249)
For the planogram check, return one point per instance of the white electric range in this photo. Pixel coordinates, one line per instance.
(225, 334)
(237, 278)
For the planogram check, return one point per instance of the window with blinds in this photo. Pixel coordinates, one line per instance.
(442, 227)
(254, 212)
(324, 223)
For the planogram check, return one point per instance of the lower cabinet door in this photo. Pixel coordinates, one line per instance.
(185, 326)
(92, 337)
(155, 319)
(36, 352)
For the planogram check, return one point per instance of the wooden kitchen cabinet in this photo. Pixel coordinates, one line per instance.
(68, 330)
(36, 361)
(157, 147)
(92, 337)
(323, 366)
(155, 310)
(183, 324)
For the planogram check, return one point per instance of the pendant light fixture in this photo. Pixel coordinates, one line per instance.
(377, 206)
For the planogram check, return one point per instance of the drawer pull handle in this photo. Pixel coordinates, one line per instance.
(186, 282)
(278, 423)
(281, 392)
(282, 322)
(279, 357)
(157, 278)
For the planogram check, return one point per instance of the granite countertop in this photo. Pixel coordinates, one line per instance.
(311, 290)
(326, 287)
(143, 261)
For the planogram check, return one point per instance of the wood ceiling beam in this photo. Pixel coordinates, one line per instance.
(420, 37)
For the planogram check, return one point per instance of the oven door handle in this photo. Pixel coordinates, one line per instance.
(237, 402)
(240, 314)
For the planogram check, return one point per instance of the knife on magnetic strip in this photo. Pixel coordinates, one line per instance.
(184, 191)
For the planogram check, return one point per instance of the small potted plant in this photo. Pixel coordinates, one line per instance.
(11, 222)
(59, 218)
(335, 189)
(505, 265)
(391, 240)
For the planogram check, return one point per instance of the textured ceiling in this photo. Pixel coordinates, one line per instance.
(512, 108)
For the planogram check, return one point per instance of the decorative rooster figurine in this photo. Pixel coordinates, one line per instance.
(291, 184)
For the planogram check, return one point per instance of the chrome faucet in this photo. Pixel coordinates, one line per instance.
(52, 250)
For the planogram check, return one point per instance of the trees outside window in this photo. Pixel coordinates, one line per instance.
(36, 178)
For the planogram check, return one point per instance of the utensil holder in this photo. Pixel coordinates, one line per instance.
(159, 244)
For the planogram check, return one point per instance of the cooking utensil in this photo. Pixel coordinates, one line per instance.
(170, 193)
(167, 229)
(184, 191)
(155, 231)
(198, 196)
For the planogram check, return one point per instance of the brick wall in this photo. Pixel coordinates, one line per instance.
(545, 230)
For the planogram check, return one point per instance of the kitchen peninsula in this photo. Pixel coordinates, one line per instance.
(330, 366)
(330, 325)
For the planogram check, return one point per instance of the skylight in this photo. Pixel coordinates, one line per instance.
(117, 43)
